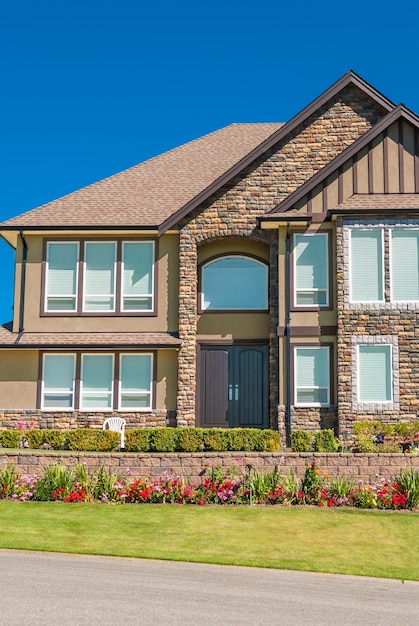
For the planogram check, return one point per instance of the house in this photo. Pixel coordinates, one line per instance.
(264, 275)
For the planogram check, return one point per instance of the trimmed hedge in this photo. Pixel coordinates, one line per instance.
(148, 440)
(320, 441)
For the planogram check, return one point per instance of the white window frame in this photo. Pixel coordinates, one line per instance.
(326, 289)
(312, 387)
(47, 296)
(46, 391)
(148, 392)
(117, 295)
(205, 307)
(379, 405)
(115, 278)
(148, 295)
(380, 260)
(390, 243)
(390, 373)
(109, 394)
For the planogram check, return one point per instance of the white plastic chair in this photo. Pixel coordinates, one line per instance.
(117, 425)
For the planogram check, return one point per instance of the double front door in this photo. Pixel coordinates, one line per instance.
(233, 386)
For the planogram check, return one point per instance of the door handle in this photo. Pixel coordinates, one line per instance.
(230, 392)
(236, 392)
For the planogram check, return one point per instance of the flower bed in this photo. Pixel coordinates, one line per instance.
(216, 486)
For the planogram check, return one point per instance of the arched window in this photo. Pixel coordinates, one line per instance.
(234, 283)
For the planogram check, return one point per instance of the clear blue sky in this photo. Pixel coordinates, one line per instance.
(92, 87)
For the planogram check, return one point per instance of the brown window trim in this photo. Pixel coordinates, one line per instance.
(294, 307)
(201, 311)
(316, 344)
(116, 379)
(118, 279)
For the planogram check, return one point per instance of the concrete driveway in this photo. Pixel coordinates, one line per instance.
(62, 590)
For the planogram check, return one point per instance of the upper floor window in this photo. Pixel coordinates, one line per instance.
(367, 276)
(234, 283)
(116, 277)
(384, 255)
(311, 270)
(404, 263)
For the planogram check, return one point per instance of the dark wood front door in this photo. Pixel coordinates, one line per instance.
(233, 386)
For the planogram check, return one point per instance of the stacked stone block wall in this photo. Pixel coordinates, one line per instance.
(362, 467)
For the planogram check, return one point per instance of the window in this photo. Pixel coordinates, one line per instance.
(107, 382)
(116, 277)
(61, 284)
(404, 261)
(312, 376)
(375, 373)
(234, 283)
(136, 376)
(58, 381)
(311, 270)
(367, 283)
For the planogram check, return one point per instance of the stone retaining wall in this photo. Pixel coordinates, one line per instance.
(364, 467)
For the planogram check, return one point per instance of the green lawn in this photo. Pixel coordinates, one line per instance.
(367, 543)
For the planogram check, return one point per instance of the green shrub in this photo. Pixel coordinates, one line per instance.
(164, 439)
(35, 438)
(239, 439)
(325, 441)
(10, 438)
(216, 439)
(190, 439)
(301, 440)
(137, 440)
(8, 476)
(55, 483)
(265, 440)
(92, 440)
(55, 438)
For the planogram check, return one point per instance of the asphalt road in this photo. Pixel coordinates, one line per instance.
(62, 590)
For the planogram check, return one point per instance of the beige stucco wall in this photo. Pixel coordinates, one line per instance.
(167, 295)
(166, 380)
(18, 379)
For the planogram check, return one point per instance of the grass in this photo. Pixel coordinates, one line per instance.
(366, 543)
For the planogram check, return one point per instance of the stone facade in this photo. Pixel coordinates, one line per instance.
(389, 323)
(233, 213)
(70, 420)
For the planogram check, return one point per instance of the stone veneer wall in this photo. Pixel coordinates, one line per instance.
(375, 323)
(69, 420)
(364, 467)
(233, 212)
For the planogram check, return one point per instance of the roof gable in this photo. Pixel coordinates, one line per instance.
(361, 148)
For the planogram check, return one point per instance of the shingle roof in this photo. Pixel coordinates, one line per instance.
(149, 193)
(86, 340)
(384, 201)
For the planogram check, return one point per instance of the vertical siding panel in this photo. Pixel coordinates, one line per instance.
(393, 159)
(386, 172)
(378, 165)
(409, 158)
(401, 159)
(416, 161)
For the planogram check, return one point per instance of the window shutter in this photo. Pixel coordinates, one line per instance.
(374, 373)
(404, 265)
(367, 265)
